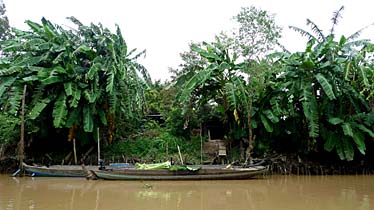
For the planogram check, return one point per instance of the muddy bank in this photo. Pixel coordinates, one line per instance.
(278, 165)
(292, 165)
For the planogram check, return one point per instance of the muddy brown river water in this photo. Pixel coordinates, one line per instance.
(265, 193)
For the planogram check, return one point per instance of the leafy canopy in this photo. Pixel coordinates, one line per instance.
(82, 78)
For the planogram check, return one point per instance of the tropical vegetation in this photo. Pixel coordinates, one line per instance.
(83, 83)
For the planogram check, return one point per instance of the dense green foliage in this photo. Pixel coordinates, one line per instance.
(321, 97)
(154, 144)
(319, 100)
(9, 129)
(323, 91)
(81, 79)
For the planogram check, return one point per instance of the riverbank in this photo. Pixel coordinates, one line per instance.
(279, 165)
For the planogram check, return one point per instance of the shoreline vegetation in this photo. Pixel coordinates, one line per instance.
(242, 98)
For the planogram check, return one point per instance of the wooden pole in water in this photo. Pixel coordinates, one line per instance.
(180, 155)
(75, 152)
(201, 144)
(98, 147)
(21, 148)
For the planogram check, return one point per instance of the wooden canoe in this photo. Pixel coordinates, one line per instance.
(205, 173)
(56, 170)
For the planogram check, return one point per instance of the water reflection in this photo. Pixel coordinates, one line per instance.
(288, 192)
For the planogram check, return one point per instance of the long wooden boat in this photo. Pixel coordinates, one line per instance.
(56, 170)
(205, 173)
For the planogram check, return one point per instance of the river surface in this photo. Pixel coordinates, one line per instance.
(265, 193)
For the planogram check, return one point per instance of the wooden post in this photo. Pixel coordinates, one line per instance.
(21, 146)
(201, 144)
(98, 147)
(75, 152)
(180, 155)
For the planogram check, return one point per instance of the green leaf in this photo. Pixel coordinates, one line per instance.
(335, 121)
(347, 129)
(196, 81)
(39, 107)
(365, 129)
(232, 97)
(76, 96)
(364, 77)
(90, 95)
(88, 123)
(15, 98)
(48, 28)
(34, 26)
(5, 83)
(11, 70)
(205, 54)
(331, 141)
(342, 40)
(310, 110)
(348, 149)
(60, 112)
(30, 78)
(359, 139)
(102, 116)
(110, 83)
(340, 149)
(327, 88)
(270, 115)
(68, 88)
(94, 71)
(267, 125)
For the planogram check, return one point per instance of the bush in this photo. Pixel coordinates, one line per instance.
(154, 144)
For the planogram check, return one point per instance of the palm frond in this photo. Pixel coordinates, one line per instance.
(90, 95)
(75, 21)
(88, 122)
(348, 149)
(60, 111)
(5, 83)
(39, 107)
(335, 18)
(110, 82)
(316, 30)
(196, 81)
(303, 32)
(347, 129)
(359, 139)
(16, 94)
(271, 116)
(358, 33)
(357, 43)
(327, 88)
(266, 123)
(232, 95)
(335, 120)
(365, 129)
(311, 112)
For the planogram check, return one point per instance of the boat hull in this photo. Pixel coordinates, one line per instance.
(164, 174)
(55, 171)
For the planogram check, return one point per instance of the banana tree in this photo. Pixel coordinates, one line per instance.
(321, 88)
(82, 78)
(221, 82)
